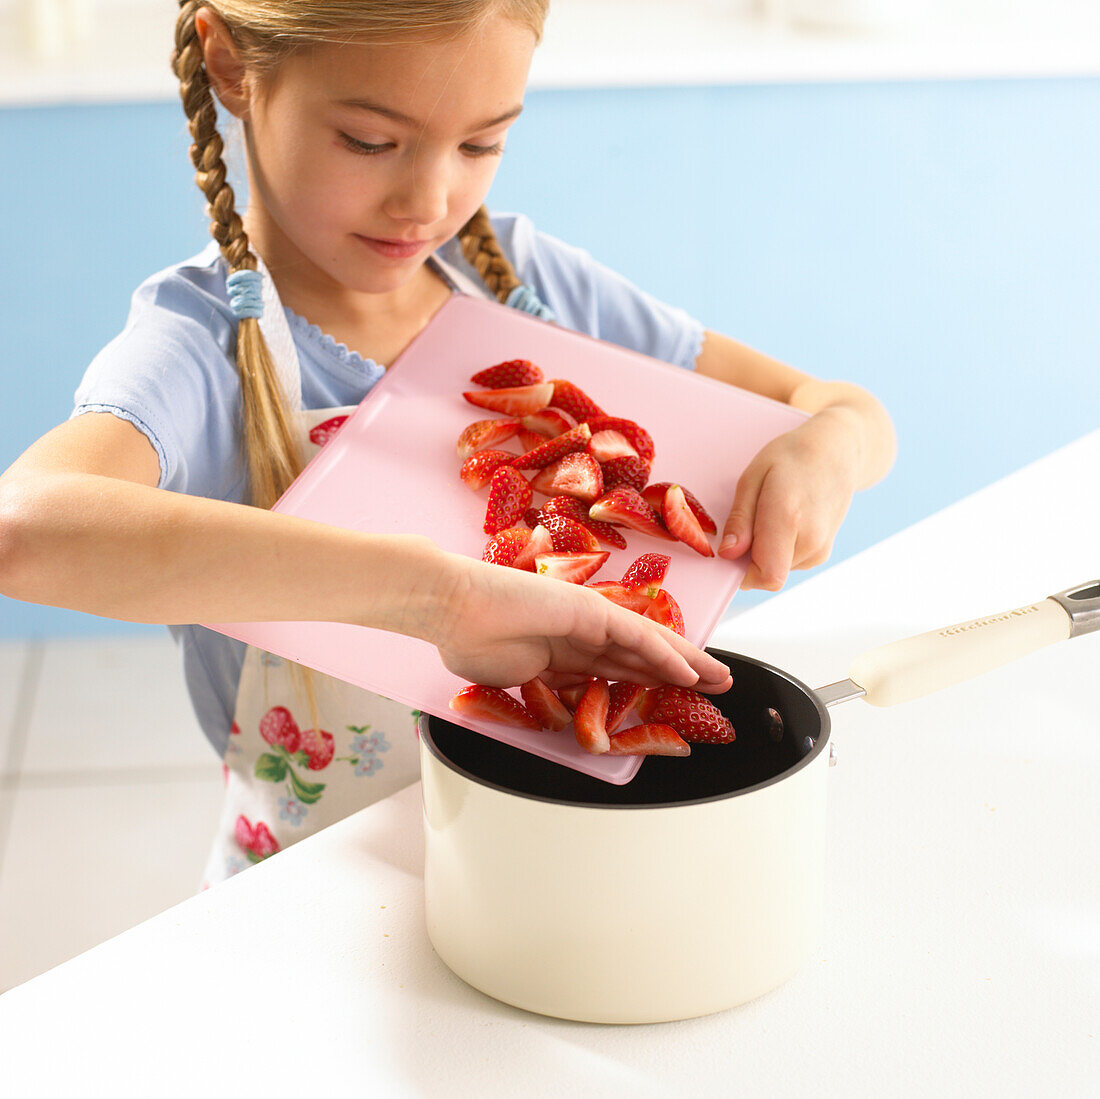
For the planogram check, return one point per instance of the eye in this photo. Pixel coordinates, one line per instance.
(483, 150)
(363, 148)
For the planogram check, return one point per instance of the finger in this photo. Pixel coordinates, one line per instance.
(737, 534)
(775, 533)
(671, 658)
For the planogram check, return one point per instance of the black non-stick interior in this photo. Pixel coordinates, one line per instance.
(779, 721)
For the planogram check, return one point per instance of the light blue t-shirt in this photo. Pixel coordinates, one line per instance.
(170, 373)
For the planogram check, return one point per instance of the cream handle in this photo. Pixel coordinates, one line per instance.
(920, 665)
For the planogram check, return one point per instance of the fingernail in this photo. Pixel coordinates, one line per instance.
(729, 542)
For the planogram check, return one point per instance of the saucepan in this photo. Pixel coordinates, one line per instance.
(696, 886)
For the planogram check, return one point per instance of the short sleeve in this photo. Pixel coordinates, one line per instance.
(170, 374)
(589, 297)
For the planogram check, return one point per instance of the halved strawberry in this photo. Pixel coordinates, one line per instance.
(541, 542)
(550, 422)
(637, 436)
(623, 697)
(482, 433)
(681, 521)
(665, 610)
(572, 399)
(505, 547)
(632, 471)
(515, 372)
(576, 474)
(509, 498)
(590, 718)
(550, 451)
(648, 740)
(633, 599)
(571, 696)
(321, 433)
(625, 506)
(515, 401)
(605, 445)
(690, 713)
(655, 496)
(492, 704)
(478, 469)
(545, 706)
(647, 573)
(576, 568)
(529, 439)
(574, 509)
(569, 536)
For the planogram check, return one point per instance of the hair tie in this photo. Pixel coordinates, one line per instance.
(525, 299)
(246, 294)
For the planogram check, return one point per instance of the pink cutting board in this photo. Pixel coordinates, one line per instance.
(392, 468)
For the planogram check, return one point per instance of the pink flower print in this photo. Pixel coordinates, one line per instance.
(278, 727)
(256, 842)
(319, 747)
(323, 432)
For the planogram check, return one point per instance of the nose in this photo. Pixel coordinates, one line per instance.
(420, 192)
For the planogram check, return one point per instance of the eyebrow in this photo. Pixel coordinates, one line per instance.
(412, 123)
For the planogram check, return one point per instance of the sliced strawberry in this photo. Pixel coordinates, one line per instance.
(623, 698)
(321, 433)
(632, 471)
(647, 572)
(478, 469)
(637, 436)
(625, 506)
(632, 599)
(550, 422)
(509, 498)
(571, 696)
(482, 433)
(573, 567)
(648, 740)
(655, 496)
(605, 445)
(492, 704)
(515, 401)
(665, 610)
(681, 521)
(541, 542)
(576, 474)
(529, 439)
(505, 547)
(506, 375)
(690, 713)
(572, 399)
(280, 729)
(590, 718)
(552, 450)
(319, 747)
(574, 509)
(532, 516)
(569, 536)
(545, 706)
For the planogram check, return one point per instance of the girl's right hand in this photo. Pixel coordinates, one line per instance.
(501, 627)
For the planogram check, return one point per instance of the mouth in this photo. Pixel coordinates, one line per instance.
(394, 249)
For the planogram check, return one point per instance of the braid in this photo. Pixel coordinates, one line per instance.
(271, 448)
(483, 251)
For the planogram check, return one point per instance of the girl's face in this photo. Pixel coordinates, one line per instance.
(363, 159)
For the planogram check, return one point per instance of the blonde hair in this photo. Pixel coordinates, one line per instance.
(267, 32)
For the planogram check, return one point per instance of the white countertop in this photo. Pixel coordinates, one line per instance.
(960, 951)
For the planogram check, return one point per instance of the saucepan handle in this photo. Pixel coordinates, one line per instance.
(920, 665)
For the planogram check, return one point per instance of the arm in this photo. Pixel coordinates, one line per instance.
(793, 496)
(83, 526)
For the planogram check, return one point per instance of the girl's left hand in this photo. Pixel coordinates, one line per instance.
(792, 498)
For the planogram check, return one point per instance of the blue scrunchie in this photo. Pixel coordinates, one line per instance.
(246, 294)
(526, 300)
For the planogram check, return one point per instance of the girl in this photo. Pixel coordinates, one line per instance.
(372, 131)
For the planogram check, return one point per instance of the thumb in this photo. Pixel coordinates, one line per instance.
(737, 533)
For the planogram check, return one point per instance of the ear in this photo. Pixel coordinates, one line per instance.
(222, 58)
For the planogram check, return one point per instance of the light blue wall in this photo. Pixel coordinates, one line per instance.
(937, 242)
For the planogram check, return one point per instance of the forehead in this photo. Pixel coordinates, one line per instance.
(453, 81)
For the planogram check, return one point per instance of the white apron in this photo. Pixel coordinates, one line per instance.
(285, 778)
